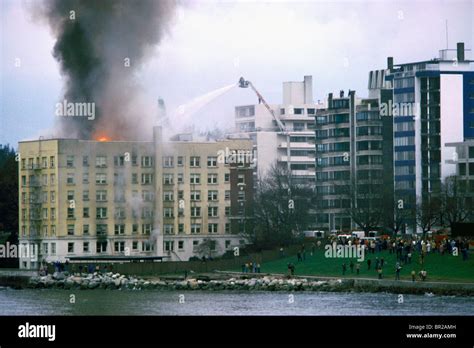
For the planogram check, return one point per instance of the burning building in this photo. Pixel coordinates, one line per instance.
(100, 198)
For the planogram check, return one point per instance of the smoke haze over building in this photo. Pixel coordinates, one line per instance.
(100, 45)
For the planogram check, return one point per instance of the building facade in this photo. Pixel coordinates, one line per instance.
(349, 161)
(293, 148)
(432, 104)
(174, 199)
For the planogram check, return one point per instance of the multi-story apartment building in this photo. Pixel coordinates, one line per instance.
(293, 148)
(349, 160)
(131, 198)
(464, 161)
(432, 104)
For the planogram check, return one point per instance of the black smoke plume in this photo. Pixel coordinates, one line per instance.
(95, 41)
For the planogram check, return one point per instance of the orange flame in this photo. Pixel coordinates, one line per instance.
(102, 137)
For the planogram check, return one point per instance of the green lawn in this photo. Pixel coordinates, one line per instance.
(439, 267)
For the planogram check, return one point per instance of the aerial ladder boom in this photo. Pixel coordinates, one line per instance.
(245, 84)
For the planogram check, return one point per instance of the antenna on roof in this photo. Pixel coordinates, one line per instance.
(447, 43)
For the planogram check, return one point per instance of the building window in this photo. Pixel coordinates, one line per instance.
(168, 229)
(101, 196)
(146, 229)
(70, 213)
(101, 178)
(180, 228)
(119, 247)
(471, 151)
(134, 178)
(85, 212)
(212, 178)
(180, 161)
(85, 178)
(53, 248)
(147, 161)
(226, 177)
(85, 229)
(101, 161)
(134, 245)
(147, 212)
(70, 247)
(227, 227)
(180, 178)
(241, 179)
(212, 211)
(212, 161)
(227, 211)
(85, 161)
(227, 194)
(147, 179)
(168, 212)
(169, 245)
(195, 228)
(148, 196)
(119, 161)
(101, 247)
(195, 195)
(146, 246)
(168, 161)
(119, 229)
(180, 245)
(70, 179)
(195, 179)
(212, 228)
(70, 161)
(101, 213)
(194, 161)
(134, 228)
(195, 211)
(168, 196)
(212, 195)
(85, 247)
(168, 179)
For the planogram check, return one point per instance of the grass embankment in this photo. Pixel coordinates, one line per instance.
(439, 267)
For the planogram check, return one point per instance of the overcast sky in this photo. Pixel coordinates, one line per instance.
(211, 44)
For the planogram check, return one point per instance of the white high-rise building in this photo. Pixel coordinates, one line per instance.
(292, 147)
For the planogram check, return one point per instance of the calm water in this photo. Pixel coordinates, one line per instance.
(150, 302)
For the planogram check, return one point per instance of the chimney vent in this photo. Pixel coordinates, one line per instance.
(460, 49)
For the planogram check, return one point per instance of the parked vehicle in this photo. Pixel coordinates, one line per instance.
(358, 234)
(314, 234)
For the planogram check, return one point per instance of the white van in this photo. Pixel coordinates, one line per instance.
(358, 234)
(314, 234)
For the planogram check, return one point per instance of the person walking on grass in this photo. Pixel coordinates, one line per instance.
(413, 275)
(397, 271)
(379, 271)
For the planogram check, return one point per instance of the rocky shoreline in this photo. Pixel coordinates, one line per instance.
(119, 281)
(116, 281)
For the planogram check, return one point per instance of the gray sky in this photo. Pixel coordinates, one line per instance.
(211, 44)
